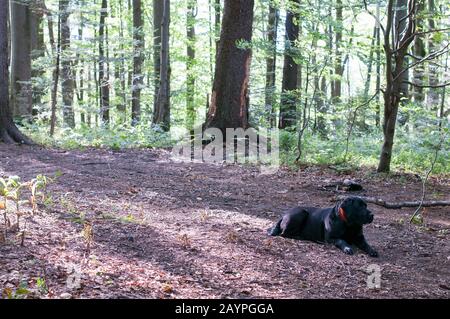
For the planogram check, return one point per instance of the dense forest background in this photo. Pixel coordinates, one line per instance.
(346, 81)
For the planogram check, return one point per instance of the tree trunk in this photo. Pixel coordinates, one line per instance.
(338, 67)
(271, 64)
(395, 70)
(229, 100)
(190, 62)
(217, 25)
(433, 75)
(67, 81)
(378, 71)
(161, 115)
(9, 133)
(21, 93)
(290, 71)
(102, 72)
(138, 77)
(121, 87)
(419, 52)
(37, 51)
(400, 24)
(158, 11)
(80, 61)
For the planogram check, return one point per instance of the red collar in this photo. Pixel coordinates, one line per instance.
(342, 214)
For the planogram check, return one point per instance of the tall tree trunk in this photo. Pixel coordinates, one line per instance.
(67, 81)
(373, 48)
(229, 100)
(158, 12)
(338, 67)
(9, 133)
(433, 75)
(21, 93)
(271, 63)
(122, 106)
(419, 52)
(378, 70)
(37, 50)
(217, 24)
(395, 69)
(400, 24)
(161, 115)
(290, 71)
(80, 61)
(190, 62)
(138, 77)
(102, 72)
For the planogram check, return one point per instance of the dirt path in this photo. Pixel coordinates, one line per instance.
(182, 230)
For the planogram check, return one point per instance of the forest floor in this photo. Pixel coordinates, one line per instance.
(163, 229)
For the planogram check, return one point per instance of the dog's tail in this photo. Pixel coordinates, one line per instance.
(275, 230)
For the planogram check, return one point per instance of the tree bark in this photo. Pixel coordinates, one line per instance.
(9, 133)
(338, 67)
(271, 63)
(37, 51)
(433, 75)
(378, 70)
(102, 69)
(419, 52)
(229, 99)
(395, 70)
(288, 103)
(138, 77)
(158, 12)
(161, 115)
(67, 79)
(21, 93)
(190, 63)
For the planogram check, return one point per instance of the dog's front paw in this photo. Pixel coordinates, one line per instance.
(373, 253)
(348, 250)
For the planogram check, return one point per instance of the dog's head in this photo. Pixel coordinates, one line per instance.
(354, 211)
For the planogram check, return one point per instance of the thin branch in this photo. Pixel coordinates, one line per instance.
(428, 86)
(424, 182)
(377, 20)
(398, 205)
(431, 56)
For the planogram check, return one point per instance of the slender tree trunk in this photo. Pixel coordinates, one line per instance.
(67, 81)
(161, 115)
(395, 69)
(122, 107)
(400, 23)
(138, 77)
(419, 52)
(190, 63)
(229, 100)
(37, 51)
(21, 93)
(56, 70)
(80, 62)
(103, 73)
(378, 70)
(338, 68)
(433, 75)
(9, 133)
(271, 63)
(158, 11)
(217, 24)
(370, 64)
(290, 72)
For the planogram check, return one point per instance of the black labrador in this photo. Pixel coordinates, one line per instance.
(341, 225)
